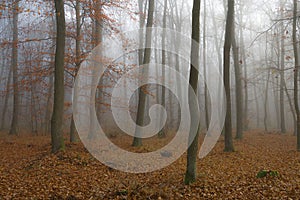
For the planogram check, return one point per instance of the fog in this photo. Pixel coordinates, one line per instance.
(263, 32)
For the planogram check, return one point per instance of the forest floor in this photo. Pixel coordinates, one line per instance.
(29, 171)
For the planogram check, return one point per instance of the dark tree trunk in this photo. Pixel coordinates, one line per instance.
(227, 47)
(296, 55)
(58, 105)
(191, 170)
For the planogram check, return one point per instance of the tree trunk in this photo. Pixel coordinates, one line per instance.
(244, 60)
(292, 107)
(177, 43)
(227, 47)
(266, 102)
(97, 38)
(14, 66)
(296, 55)
(190, 175)
(49, 105)
(137, 141)
(162, 133)
(238, 88)
(206, 101)
(58, 105)
(282, 63)
(6, 100)
(73, 135)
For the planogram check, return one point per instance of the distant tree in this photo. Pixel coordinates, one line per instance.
(58, 105)
(6, 100)
(227, 46)
(14, 67)
(191, 172)
(282, 74)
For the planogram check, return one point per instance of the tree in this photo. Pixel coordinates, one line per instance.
(206, 102)
(14, 67)
(238, 88)
(96, 39)
(282, 65)
(6, 100)
(227, 46)
(73, 137)
(190, 175)
(58, 105)
(244, 62)
(137, 141)
(296, 73)
(163, 62)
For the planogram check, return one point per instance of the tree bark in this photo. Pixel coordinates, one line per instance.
(58, 105)
(190, 175)
(296, 55)
(227, 46)
(238, 88)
